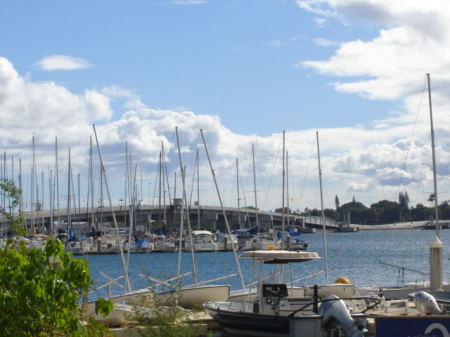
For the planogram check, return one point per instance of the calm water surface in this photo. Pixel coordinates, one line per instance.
(355, 256)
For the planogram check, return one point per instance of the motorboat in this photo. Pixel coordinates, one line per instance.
(203, 241)
(107, 244)
(294, 242)
(164, 244)
(260, 241)
(78, 247)
(274, 313)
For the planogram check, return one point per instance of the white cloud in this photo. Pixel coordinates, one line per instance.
(319, 7)
(320, 22)
(369, 162)
(29, 107)
(324, 42)
(411, 43)
(275, 43)
(62, 62)
(188, 2)
(98, 106)
(413, 39)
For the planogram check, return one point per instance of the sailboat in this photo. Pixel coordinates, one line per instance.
(436, 266)
(187, 296)
(417, 310)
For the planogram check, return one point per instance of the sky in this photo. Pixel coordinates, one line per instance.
(243, 71)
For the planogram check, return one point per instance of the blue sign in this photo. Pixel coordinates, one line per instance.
(417, 326)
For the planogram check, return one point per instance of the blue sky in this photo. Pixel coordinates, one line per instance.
(243, 71)
(234, 59)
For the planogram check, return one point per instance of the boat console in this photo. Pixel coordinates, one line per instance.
(271, 296)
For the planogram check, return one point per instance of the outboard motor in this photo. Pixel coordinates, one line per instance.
(336, 319)
(426, 304)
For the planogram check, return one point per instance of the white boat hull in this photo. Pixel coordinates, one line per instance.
(187, 297)
(243, 322)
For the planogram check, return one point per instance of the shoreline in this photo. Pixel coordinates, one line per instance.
(416, 225)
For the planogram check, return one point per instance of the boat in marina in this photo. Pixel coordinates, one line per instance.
(189, 296)
(202, 241)
(259, 241)
(164, 244)
(79, 247)
(293, 241)
(224, 242)
(272, 312)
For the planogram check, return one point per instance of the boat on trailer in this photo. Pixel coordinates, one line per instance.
(272, 312)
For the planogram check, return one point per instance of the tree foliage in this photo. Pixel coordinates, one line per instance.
(382, 212)
(41, 289)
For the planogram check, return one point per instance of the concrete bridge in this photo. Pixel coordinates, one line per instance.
(166, 217)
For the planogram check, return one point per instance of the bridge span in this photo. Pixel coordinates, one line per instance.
(168, 218)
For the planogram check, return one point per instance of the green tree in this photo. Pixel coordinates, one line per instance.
(336, 202)
(406, 196)
(41, 289)
(421, 212)
(388, 211)
(13, 223)
(358, 212)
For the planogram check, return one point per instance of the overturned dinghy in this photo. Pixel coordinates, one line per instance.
(273, 313)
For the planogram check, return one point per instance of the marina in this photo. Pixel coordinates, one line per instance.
(201, 168)
(355, 256)
(358, 261)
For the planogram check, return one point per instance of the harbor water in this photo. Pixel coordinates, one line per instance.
(355, 256)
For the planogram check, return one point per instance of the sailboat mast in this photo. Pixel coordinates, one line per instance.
(227, 226)
(51, 196)
(126, 177)
(5, 177)
(164, 177)
(282, 193)
(175, 184)
(198, 190)
(436, 214)
(33, 168)
(69, 193)
(287, 191)
(42, 201)
(103, 171)
(254, 186)
(238, 194)
(323, 212)
(159, 187)
(91, 184)
(11, 210)
(184, 207)
(57, 179)
(21, 187)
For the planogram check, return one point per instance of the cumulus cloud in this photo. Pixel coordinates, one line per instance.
(388, 66)
(62, 62)
(29, 107)
(412, 40)
(370, 162)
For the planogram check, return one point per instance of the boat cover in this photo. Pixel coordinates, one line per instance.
(280, 256)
